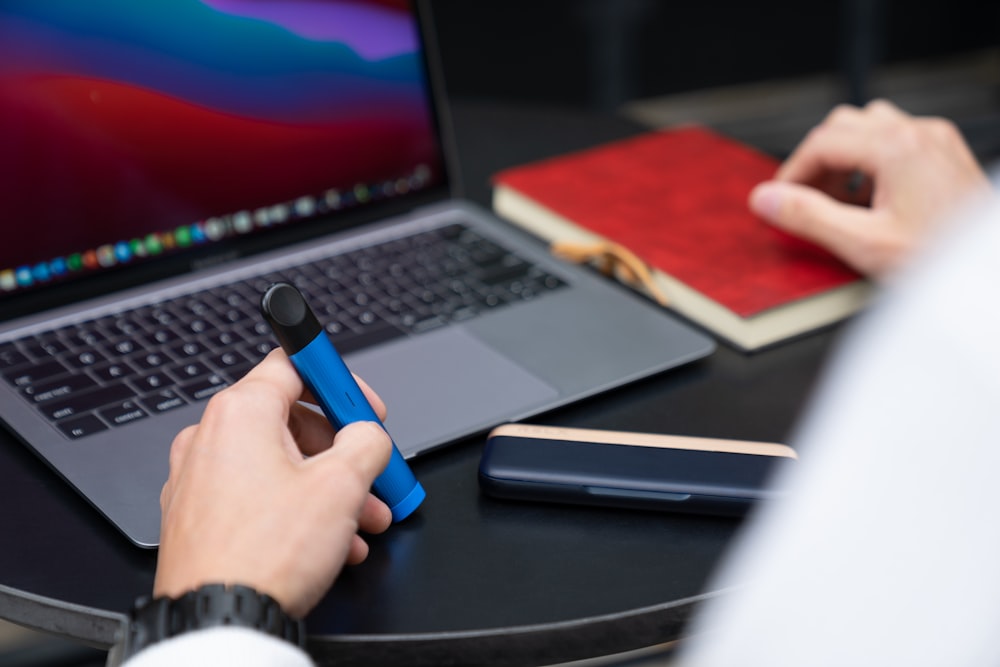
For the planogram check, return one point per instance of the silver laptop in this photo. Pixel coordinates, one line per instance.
(161, 162)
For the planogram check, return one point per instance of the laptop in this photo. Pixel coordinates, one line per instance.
(163, 162)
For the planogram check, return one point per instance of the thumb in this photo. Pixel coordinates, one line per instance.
(843, 229)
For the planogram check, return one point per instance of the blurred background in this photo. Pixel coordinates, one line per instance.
(764, 72)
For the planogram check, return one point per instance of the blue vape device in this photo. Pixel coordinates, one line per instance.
(326, 375)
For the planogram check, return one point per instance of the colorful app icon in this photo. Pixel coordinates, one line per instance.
(75, 262)
(41, 272)
(215, 228)
(279, 213)
(90, 260)
(243, 223)
(23, 276)
(305, 206)
(262, 218)
(8, 281)
(183, 236)
(123, 251)
(58, 266)
(333, 199)
(197, 233)
(106, 256)
(153, 244)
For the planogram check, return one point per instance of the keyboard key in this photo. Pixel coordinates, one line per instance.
(153, 381)
(204, 388)
(150, 360)
(125, 326)
(60, 388)
(81, 427)
(11, 357)
(86, 335)
(123, 413)
(159, 336)
(226, 359)
(186, 349)
(85, 401)
(84, 359)
(189, 370)
(42, 348)
(112, 372)
(36, 373)
(163, 401)
(120, 348)
(259, 349)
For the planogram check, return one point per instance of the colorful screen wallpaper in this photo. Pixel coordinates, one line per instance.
(134, 129)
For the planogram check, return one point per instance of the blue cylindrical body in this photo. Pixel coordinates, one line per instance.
(326, 375)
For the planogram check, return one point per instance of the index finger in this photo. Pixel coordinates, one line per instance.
(834, 149)
(848, 139)
(276, 375)
(277, 370)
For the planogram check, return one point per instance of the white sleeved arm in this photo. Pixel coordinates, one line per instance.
(887, 550)
(221, 646)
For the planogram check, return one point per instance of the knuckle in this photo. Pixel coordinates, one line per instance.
(840, 113)
(234, 399)
(184, 435)
(181, 443)
(942, 129)
(882, 107)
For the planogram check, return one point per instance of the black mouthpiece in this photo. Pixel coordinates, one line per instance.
(290, 317)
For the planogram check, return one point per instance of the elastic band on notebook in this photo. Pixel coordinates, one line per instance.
(613, 260)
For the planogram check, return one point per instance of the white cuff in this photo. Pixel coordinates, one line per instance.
(222, 645)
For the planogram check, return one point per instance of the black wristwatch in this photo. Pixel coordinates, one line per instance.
(154, 619)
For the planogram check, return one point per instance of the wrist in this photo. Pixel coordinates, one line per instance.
(154, 619)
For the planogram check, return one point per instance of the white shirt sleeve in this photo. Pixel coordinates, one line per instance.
(887, 551)
(224, 645)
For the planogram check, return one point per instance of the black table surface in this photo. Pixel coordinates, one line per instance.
(469, 580)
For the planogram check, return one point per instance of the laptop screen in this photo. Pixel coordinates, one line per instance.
(132, 132)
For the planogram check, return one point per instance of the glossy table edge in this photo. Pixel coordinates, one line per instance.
(537, 644)
(96, 627)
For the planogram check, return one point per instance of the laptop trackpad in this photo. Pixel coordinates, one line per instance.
(445, 384)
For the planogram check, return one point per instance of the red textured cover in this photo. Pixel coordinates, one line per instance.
(678, 199)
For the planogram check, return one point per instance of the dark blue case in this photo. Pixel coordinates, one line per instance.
(593, 467)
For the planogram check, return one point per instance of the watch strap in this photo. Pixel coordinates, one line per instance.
(154, 619)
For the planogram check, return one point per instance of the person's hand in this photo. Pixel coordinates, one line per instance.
(257, 496)
(869, 184)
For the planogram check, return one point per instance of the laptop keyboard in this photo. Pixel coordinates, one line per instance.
(116, 369)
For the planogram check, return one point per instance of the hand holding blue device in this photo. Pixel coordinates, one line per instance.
(325, 374)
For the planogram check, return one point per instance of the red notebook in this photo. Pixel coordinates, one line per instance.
(678, 200)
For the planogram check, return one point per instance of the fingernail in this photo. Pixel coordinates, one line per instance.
(765, 200)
